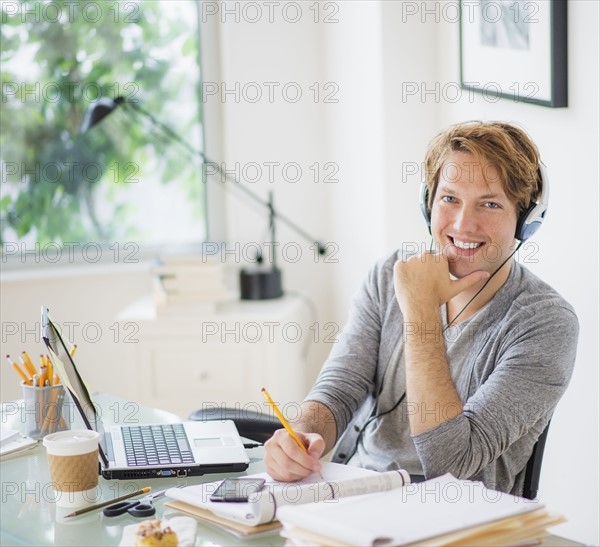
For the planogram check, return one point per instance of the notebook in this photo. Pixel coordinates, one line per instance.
(145, 451)
(259, 514)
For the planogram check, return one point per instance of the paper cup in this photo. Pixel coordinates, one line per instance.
(73, 462)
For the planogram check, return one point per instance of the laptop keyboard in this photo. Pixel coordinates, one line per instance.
(156, 445)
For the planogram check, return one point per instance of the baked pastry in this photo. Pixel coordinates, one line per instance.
(150, 533)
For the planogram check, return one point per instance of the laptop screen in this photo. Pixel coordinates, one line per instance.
(64, 366)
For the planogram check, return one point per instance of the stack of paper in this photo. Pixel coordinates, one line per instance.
(441, 511)
(184, 284)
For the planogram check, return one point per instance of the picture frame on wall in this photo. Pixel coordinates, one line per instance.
(515, 49)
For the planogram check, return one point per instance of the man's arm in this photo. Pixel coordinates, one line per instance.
(344, 383)
(422, 285)
(316, 418)
(430, 391)
(285, 460)
(533, 349)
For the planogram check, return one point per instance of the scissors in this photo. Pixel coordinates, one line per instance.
(136, 508)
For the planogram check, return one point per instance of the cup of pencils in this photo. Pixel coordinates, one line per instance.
(43, 396)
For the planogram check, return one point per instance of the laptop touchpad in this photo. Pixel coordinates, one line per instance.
(208, 442)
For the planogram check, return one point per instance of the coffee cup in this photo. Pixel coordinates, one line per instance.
(73, 461)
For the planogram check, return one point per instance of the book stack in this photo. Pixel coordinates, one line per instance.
(185, 285)
(444, 511)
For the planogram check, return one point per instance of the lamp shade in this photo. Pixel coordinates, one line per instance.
(98, 111)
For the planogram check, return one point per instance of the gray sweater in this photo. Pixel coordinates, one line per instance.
(511, 362)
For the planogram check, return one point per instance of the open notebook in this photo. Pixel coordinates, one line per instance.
(262, 509)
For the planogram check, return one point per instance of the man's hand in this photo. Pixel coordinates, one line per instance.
(286, 461)
(424, 280)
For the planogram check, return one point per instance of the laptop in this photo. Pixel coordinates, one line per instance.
(145, 451)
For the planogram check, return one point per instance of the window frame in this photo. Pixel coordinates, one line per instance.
(25, 258)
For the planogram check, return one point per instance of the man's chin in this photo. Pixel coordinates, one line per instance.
(459, 270)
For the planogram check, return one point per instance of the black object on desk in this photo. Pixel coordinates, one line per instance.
(250, 423)
(135, 508)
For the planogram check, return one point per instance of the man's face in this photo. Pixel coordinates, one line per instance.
(471, 219)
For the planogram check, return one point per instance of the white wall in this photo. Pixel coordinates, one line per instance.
(268, 122)
(84, 300)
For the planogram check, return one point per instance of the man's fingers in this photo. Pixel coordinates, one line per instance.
(315, 445)
(285, 460)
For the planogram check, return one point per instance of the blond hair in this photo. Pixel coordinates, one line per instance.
(505, 146)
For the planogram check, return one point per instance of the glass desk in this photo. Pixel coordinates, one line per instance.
(29, 516)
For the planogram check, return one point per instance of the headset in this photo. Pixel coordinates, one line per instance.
(530, 219)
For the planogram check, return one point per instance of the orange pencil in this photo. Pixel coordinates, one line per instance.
(43, 375)
(19, 371)
(50, 369)
(73, 350)
(21, 374)
(28, 363)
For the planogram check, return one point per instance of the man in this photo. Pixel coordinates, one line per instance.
(451, 361)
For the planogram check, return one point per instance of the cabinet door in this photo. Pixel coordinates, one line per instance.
(185, 376)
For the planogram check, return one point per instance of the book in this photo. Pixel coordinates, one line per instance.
(440, 511)
(12, 442)
(198, 296)
(260, 512)
(190, 284)
(197, 268)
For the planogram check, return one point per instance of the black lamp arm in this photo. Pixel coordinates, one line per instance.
(273, 214)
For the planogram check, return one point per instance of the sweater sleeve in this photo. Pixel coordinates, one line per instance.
(349, 374)
(534, 364)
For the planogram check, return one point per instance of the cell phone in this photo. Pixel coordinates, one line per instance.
(237, 490)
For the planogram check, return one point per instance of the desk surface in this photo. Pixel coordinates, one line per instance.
(29, 517)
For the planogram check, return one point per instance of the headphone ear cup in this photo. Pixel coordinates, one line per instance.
(423, 199)
(531, 218)
(525, 231)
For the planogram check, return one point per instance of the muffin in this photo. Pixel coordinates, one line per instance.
(150, 533)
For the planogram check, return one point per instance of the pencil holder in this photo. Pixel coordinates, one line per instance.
(43, 410)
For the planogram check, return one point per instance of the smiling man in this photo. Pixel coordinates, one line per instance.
(452, 360)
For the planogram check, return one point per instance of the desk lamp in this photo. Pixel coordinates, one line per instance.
(254, 285)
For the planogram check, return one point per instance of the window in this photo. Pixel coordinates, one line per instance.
(123, 184)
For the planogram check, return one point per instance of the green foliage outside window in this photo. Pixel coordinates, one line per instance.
(59, 185)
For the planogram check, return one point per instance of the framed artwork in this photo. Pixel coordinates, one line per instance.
(516, 49)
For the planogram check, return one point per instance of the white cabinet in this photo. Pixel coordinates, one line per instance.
(222, 357)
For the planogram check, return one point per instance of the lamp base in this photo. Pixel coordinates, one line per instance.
(260, 285)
